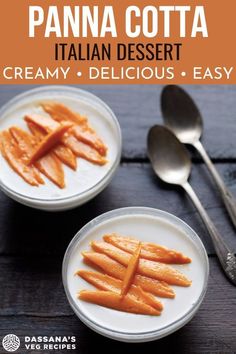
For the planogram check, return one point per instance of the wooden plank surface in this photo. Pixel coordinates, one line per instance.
(40, 308)
(137, 108)
(32, 243)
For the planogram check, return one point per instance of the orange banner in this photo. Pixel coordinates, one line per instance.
(129, 42)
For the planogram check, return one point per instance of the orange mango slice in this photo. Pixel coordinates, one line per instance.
(116, 270)
(83, 150)
(117, 302)
(60, 113)
(48, 142)
(106, 282)
(88, 136)
(131, 270)
(52, 168)
(17, 160)
(66, 156)
(149, 251)
(46, 123)
(49, 164)
(61, 151)
(36, 130)
(155, 270)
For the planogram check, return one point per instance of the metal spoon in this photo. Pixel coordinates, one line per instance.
(171, 162)
(182, 116)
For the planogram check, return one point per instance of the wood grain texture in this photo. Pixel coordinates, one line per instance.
(28, 231)
(137, 108)
(33, 303)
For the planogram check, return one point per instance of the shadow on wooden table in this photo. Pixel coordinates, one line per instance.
(175, 343)
(27, 231)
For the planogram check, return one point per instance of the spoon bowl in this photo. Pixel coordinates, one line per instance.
(169, 158)
(181, 114)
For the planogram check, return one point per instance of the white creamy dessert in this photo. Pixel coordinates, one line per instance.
(87, 174)
(147, 225)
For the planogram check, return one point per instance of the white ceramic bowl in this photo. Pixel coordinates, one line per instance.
(149, 225)
(89, 179)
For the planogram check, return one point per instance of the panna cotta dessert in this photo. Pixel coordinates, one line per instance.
(181, 268)
(84, 154)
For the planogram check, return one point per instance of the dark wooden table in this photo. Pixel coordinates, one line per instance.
(32, 243)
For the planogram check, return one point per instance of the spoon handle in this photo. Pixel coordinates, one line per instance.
(228, 198)
(225, 255)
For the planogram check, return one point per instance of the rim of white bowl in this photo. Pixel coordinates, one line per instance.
(101, 184)
(148, 335)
